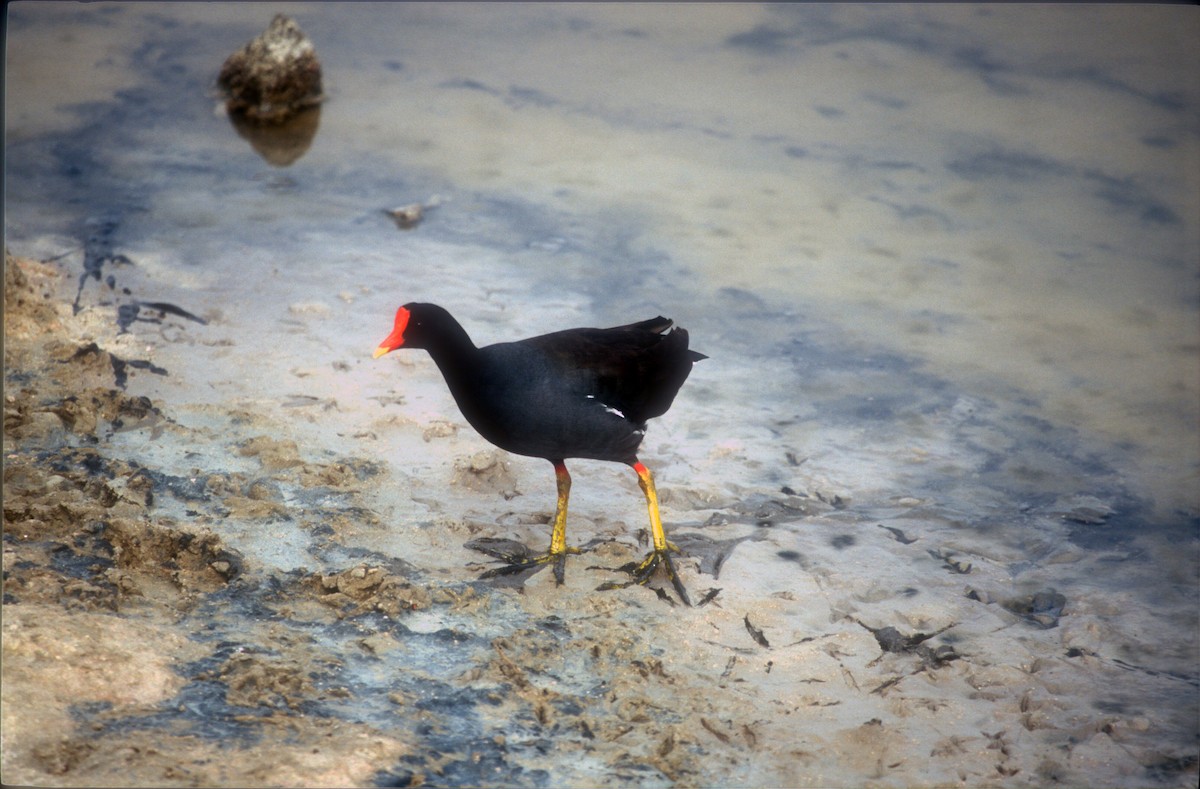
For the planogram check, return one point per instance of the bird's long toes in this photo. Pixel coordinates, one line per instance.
(680, 589)
(643, 572)
(663, 559)
(517, 562)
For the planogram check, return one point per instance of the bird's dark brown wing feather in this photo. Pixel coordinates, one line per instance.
(637, 368)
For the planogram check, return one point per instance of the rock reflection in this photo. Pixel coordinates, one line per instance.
(280, 144)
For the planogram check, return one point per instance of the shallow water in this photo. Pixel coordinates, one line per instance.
(943, 261)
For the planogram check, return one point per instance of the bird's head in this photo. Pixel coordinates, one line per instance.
(417, 326)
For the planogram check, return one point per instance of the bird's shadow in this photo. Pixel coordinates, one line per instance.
(711, 553)
(517, 564)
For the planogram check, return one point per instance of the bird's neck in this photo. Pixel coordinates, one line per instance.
(454, 354)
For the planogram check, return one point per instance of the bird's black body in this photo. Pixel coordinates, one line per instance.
(578, 393)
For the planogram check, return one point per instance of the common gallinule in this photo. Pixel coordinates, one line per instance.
(578, 393)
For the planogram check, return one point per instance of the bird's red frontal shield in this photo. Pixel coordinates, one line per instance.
(396, 338)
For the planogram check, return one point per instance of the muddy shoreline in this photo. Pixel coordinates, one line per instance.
(141, 649)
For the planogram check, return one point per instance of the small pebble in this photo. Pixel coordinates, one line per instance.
(407, 216)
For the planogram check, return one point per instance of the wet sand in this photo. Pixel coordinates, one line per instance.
(141, 649)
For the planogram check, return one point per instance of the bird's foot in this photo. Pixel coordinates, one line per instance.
(644, 571)
(516, 558)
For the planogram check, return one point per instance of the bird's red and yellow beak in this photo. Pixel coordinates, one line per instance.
(396, 338)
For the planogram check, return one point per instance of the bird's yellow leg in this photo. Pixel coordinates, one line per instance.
(662, 548)
(646, 481)
(557, 555)
(558, 537)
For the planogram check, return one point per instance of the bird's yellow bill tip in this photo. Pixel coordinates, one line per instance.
(380, 351)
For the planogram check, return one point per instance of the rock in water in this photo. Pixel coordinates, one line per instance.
(274, 76)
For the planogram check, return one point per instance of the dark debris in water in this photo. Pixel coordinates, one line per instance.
(91, 353)
(131, 312)
(898, 535)
(509, 551)
(891, 640)
(1041, 608)
(756, 633)
(99, 251)
(768, 511)
(122, 377)
(950, 563)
